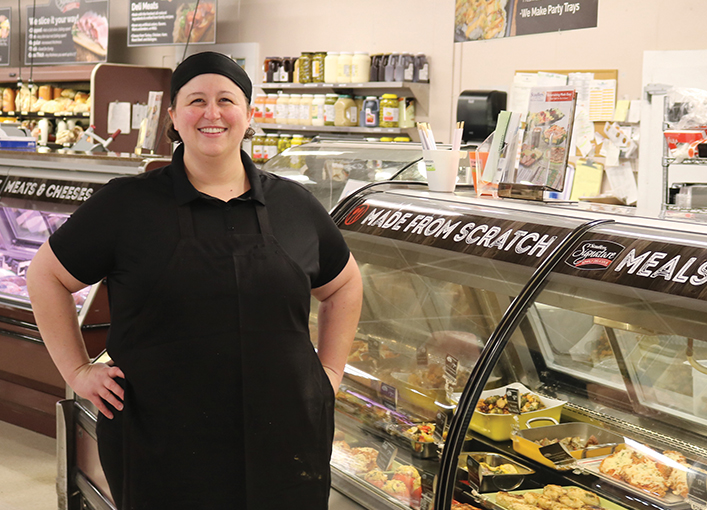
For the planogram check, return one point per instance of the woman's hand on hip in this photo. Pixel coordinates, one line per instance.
(96, 382)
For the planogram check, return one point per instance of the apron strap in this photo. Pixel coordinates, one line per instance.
(264, 221)
(186, 224)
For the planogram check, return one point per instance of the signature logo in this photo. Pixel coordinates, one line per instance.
(356, 214)
(594, 255)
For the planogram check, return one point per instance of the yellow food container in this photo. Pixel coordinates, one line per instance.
(498, 426)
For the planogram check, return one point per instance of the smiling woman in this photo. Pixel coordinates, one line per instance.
(211, 265)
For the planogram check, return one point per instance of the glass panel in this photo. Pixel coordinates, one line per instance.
(22, 232)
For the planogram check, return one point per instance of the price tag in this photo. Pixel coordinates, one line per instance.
(697, 484)
(441, 423)
(513, 399)
(374, 348)
(556, 454)
(422, 357)
(389, 396)
(450, 368)
(386, 455)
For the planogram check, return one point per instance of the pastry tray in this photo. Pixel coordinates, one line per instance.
(489, 500)
(591, 466)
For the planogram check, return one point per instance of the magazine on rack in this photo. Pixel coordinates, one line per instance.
(546, 139)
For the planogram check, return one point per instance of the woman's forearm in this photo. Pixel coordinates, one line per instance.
(55, 312)
(339, 313)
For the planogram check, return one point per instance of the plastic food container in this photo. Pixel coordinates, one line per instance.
(524, 441)
(485, 481)
(498, 426)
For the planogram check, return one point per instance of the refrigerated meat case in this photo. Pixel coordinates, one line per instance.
(38, 192)
(592, 319)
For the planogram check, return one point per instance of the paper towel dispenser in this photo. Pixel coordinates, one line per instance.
(479, 110)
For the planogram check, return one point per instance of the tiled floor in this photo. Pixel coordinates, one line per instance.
(27, 470)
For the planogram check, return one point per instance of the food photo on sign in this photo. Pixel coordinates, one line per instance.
(200, 21)
(90, 35)
(482, 19)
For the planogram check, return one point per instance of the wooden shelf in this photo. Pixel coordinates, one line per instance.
(48, 74)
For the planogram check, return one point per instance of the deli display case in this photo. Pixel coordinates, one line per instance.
(38, 192)
(521, 356)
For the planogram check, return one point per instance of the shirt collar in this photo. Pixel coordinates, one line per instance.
(185, 191)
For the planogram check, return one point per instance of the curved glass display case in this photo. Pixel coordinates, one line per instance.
(522, 357)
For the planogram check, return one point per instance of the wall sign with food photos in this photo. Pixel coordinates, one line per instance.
(67, 32)
(476, 20)
(5, 18)
(163, 22)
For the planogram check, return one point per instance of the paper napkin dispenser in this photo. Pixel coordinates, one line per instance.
(479, 110)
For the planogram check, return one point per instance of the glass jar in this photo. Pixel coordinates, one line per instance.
(360, 67)
(283, 142)
(281, 108)
(296, 162)
(259, 107)
(389, 111)
(305, 68)
(269, 147)
(305, 109)
(270, 106)
(345, 111)
(329, 110)
(318, 67)
(330, 66)
(318, 109)
(293, 109)
(343, 67)
(257, 149)
(406, 112)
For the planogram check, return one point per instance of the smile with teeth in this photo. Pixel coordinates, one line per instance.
(212, 130)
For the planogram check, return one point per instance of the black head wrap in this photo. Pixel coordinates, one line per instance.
(210, 62)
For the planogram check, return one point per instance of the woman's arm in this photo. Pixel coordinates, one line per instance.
(50, 286)
(339, 312)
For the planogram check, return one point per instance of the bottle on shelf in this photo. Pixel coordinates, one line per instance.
(305, 109)
(257, 149)
(293, 109)
(375, 65)
(318, 109)
(389, 111)
(422, 69)
(360, 67)
(381, 66)
(369, 113)
(406, 112)
(270, 147)
(345, 111)
(259, 107)
(329, 110)
(286, 70)
(405, 67)
(343, 67)
(274, 65)
(318, 66)
(390, 67)
(283, 142)
(305, 67)
(330, 66)
(270, 106)
(281, 108)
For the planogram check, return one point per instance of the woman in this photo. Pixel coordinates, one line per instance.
(216, 398)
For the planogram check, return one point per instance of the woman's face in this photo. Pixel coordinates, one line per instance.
(211, 115)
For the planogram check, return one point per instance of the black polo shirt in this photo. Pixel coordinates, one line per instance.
(129, 229)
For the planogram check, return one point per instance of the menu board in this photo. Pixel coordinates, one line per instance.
(5, 18)
(164, 22)
(67, 32)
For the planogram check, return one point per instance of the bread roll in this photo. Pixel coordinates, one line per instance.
(56, 93)
(8, 100)
(45, 92)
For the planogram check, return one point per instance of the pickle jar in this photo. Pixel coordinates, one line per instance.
(283, 142)
(269, 147)
(389, 111)
(305, 68)
(329, 109)
(318, 67)
(296, 162)
(257, 149)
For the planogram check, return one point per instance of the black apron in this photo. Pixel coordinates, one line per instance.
(226, 404)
